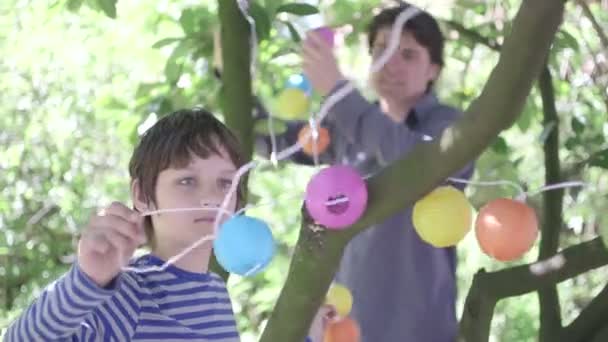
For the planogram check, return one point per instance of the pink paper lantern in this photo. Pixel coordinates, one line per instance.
(336, 197)
(327, 34)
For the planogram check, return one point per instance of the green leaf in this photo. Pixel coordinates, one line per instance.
(108, 7)
(262, 21)
(294, 33)
(500, 146)
(572, 142)
(166, 41)
(298, 8)
(577, 126)
(173, 65)
(600, 160)
(147, 89)
(74, 5)
(525, 118)
(188, 21)
(566, 39)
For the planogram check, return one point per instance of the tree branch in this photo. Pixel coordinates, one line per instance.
(489, 288)
(575, 168)
(596, 26)
(589, 321)
(552, 223)
(473, 35)
(500, 103)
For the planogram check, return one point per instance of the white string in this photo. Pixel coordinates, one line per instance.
(557, 186)
(522, 194)
(252, 206)
(490, 183)
(315, 139)
(326, 106)
(243, 7)
(175, 210)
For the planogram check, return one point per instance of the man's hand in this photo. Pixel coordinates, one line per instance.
(319, 63)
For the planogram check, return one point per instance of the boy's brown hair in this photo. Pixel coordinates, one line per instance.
(171, 142)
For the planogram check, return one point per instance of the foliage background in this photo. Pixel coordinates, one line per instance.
(77, 86)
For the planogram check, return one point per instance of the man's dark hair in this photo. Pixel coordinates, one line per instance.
(422, 26)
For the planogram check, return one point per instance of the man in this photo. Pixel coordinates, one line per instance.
(404, 289)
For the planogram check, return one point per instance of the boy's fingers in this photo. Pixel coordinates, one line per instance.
(121, 210)
(94, 241)
(118, 224)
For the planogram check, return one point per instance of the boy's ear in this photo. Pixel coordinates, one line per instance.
(139, 202)
(434, 71)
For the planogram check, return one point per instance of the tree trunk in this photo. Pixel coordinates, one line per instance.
(236, 94)
(552, 222)
(316, 259)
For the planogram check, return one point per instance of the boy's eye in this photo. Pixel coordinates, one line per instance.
(225, 184)
(187, 181)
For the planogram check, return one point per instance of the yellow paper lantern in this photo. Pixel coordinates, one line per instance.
(340, 298)
(443, 217)
(292, 104)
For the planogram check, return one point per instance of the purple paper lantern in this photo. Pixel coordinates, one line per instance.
(336, 197)
(327, 34)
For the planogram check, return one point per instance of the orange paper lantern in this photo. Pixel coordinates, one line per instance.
(506, 229)
(308, 145)
(343, 330)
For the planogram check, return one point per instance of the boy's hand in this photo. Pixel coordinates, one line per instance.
(109, 241)
(319, 324)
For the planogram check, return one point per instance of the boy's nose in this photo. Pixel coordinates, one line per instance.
(207, 203)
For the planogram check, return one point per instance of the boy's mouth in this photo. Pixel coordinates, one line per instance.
(206, 219)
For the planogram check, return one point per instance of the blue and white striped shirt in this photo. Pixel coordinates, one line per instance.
(169, 305)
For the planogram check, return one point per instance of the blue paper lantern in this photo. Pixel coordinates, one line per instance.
(244, 245)
(299, 81)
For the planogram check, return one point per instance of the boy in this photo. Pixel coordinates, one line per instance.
(187, 159)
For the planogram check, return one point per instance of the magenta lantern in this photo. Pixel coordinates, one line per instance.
(327, 34)
(336, 197)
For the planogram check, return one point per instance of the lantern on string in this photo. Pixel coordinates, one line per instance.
(299, 81)
(340, 298)
(443, 217)
(345, 329)
(313, 144)
(506, 229)
(293, 102)
(326, 33)
(336, 196)
(244, 245)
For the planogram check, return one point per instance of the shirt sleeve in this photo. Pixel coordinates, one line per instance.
(63, 311)
(359, 122)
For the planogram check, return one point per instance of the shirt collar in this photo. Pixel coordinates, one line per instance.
(423, 107)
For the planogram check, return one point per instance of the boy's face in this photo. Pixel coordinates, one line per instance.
(202, 183)
(406, 74)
